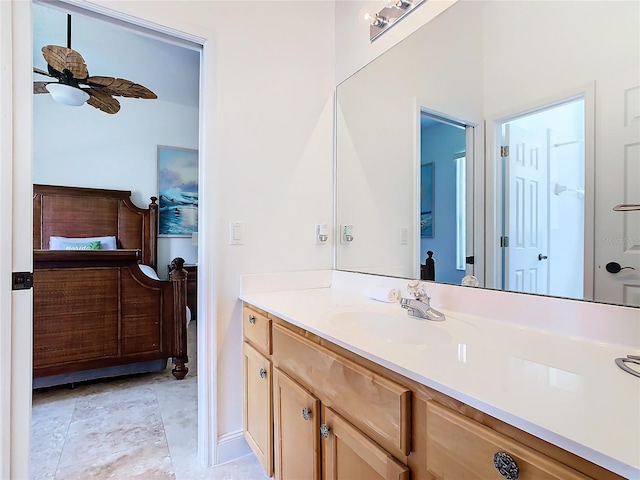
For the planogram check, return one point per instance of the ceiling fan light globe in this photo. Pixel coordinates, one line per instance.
(67, 94)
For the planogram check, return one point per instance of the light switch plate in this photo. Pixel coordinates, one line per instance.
(404, 236)
(236, 233)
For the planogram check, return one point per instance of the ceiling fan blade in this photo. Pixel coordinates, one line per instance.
(41, 72)
(63, 58)
(39, 87)
(102, 101)
(121, 87)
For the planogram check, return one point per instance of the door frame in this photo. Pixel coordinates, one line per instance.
(16, 135)
(494, 178)
(474, 164)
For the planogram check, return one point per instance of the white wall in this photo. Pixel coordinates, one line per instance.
(528, 58)
(266, 159)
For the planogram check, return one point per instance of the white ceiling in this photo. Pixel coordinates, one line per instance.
(171, 71)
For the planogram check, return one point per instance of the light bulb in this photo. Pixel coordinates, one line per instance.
(376, 19)
(401, 4)
(66, 94)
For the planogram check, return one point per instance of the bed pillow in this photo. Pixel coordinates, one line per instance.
(80, 245)
(148, 271)
(106, 243)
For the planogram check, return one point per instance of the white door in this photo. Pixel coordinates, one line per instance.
(16, 91)
(527, 211)
(618, 182)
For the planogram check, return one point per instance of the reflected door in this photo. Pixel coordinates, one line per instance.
(544, 192)
(618, 182)
(527, 211)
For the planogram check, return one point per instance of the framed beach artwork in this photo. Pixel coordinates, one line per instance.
(177, 191)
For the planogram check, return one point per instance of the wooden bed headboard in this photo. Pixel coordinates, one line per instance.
(91, 212)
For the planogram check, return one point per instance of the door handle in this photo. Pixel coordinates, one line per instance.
(542, 257)
(614, 267)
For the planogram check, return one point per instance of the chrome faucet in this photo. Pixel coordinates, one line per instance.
(419, 306)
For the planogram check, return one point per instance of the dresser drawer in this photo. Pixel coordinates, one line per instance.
(377, 406)
(459, 447)
(257, 330)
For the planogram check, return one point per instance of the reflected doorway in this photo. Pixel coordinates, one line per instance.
(443, 198)
(543, 209)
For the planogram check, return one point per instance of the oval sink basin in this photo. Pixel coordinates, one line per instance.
(393, 328)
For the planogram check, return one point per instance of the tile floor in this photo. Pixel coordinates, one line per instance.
(138, 427)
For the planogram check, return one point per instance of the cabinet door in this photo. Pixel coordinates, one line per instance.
(459, 447)
(258, 412)
(296, 430)
(347, 454)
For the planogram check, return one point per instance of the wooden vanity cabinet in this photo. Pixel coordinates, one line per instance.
(258, 409)
(379, 424)
(348, 454)
(257, 386)
(459, 447)
(307, 434)
(296, 430)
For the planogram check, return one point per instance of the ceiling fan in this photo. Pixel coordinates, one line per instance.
(74, 86)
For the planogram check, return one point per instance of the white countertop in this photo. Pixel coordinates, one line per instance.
(565, 390)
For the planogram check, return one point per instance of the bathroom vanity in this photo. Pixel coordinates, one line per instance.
(341, 384)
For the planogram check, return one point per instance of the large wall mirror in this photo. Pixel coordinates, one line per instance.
(499, 136)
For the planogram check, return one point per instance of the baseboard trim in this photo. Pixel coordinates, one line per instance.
(232, 446)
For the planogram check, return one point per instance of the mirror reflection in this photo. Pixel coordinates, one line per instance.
(499, 136)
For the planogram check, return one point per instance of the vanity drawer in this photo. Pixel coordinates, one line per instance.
(256, 328)
(458, 447)
(377, 406)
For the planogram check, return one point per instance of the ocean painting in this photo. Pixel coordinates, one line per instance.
(177, 191)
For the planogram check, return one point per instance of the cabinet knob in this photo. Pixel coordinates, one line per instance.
(506, 466)
(324, 430)
(263, 373)
(306, 413)
(252, 319)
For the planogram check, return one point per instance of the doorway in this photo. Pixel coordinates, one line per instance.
(444, 187)
(543, 166)
(118, 152)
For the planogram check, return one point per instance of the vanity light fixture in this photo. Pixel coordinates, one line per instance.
(402, 4)
(381, 21)
(376, 20)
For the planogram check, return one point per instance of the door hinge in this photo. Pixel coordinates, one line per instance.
(21, 280)
(504, 151)
(470, 260)
(504, 241)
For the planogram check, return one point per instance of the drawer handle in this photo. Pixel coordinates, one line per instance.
(263, 373)
(506, 466)
(324, 430)
(252, 319)
(306, 413)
